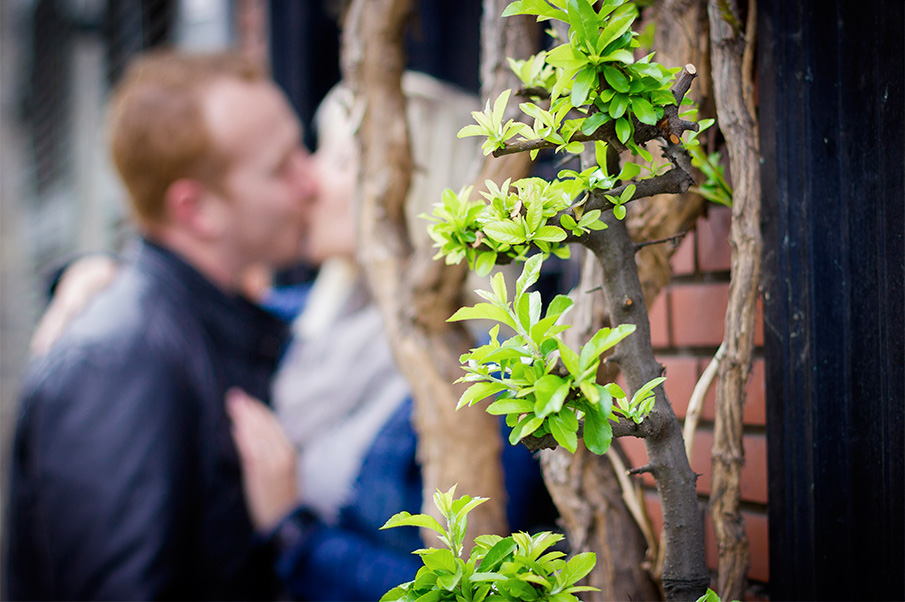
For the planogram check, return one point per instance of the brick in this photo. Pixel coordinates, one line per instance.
(756, 528)
(754, 471)
(681, 377)
(637, 456)
(756, 395)
(759, 322)
(755, 412)
(659, 321)
(683, 260)
(714, 253)
(697, 313)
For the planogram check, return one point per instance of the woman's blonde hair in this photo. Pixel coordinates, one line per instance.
(435, 111)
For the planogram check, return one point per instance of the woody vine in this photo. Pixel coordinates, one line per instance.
(413, 293)
(587, 96)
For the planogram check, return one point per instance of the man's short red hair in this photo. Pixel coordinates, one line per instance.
(158, 132)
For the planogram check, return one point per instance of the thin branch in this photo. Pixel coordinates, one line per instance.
(634, 501)
(641, 470)
(696, 402)
(650, 428)
(659, 241)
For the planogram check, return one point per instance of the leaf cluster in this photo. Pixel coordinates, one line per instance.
(513, 220)
(542, 385)
(592, 78)
(518, 567)
(715, 188)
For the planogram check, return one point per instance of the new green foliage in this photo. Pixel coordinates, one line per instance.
(518, 567)
(541, 385)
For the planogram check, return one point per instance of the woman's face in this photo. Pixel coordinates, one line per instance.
(333, 221)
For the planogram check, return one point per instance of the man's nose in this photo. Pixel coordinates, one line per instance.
(306, 178)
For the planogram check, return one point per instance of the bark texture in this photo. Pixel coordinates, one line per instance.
(585, 487)
(733, 93)
(415, 294)
(685, 575)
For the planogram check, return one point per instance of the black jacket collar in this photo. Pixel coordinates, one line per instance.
(231, 320)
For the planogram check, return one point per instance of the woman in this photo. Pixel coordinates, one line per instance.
(338, 396)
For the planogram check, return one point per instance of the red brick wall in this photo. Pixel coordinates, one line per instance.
(687, 323)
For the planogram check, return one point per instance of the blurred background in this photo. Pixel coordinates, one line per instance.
(59, 196)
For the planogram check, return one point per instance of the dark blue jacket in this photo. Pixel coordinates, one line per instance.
(125, 483)
(354, 560)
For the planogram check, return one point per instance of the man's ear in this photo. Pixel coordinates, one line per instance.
(191, 205)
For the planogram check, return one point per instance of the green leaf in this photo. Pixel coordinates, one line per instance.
(619, 212)
(530, 274)
(569, 358)
(614, 390)
(551, 392)
(510, 406)
(622, 55)
(485, 262)
(616, 28)
(647, 388)
(581, 87)
(567, 221)
(628, 193)
(589, 218)
(618, 106)
(439, 560)
(616, 79)
(525, 427)
(534, 7)
(479, 391)
(472, 130)
(564, 436)
(505, 231)
(598, 433)
(549, 234)
(449, 581)
(623, 129)
(583, 20)
(576, 568)
(604, 403)
(497, 554)
(404, 519)
(498, 284)
(629, 171)
(397, 593)
(483, 311)
(644, 111)
(499, 106)
(593, 122)
(559, 305)
(710, 596)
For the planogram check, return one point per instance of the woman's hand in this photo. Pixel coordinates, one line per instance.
(267, 457)
(77, 286)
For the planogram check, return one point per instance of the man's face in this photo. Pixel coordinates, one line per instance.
(270, 182)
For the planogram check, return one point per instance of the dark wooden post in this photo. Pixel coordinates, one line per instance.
(831, 115)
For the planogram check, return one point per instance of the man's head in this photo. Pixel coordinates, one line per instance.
(210, 153)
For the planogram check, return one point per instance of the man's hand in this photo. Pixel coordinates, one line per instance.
(268, 460)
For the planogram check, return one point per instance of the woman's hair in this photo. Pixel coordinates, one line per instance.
(158, 133)
(435, 111)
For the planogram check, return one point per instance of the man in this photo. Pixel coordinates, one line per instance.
(125, 481)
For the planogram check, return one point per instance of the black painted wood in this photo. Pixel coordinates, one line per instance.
(831, 108)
